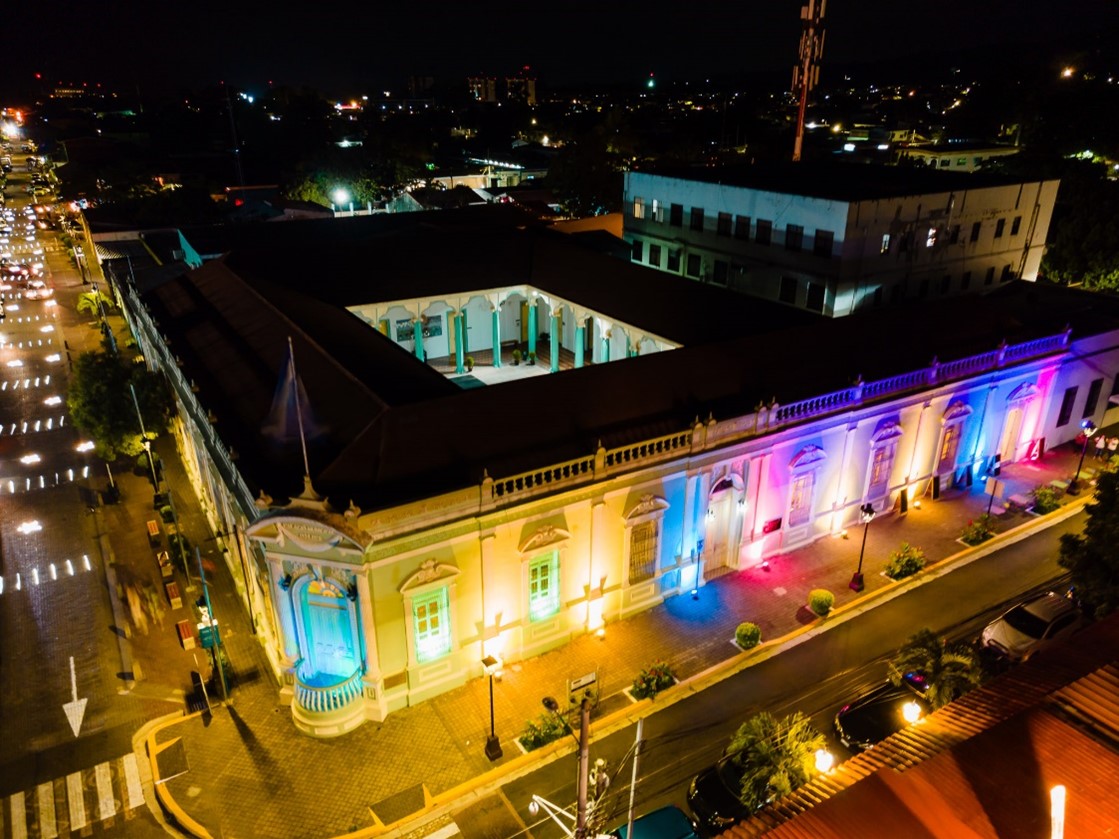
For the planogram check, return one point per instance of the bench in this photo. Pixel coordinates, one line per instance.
(164, 560)
(153, 532)
(186, 634)
(174, 596)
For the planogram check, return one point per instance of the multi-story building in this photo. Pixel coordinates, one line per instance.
(394, 521)
(837, 239)
(957, 157)
(482, 88)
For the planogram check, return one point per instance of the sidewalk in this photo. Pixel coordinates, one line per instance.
(252, 774)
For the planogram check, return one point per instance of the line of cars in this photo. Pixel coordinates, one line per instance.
(26, 270)
(1015, 636)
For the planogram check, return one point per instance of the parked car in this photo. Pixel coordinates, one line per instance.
(887, 709)
(666, 823)
(713, 796)
(1032, 625)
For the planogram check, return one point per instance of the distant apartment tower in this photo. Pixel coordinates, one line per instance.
(521, 87)
(482, 88)
(838, 238)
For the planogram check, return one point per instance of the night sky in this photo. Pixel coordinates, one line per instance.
(345, 47)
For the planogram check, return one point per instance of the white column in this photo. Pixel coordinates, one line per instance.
(372, 683)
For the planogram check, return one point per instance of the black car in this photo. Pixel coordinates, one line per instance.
(876, 715)
(713, 797)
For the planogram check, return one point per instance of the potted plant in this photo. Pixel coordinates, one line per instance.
(820, 601)
(542, 731)
(748, 635)
(469, 362)
(652, 680)
(905, 561)
(516, 357)
(531, 357)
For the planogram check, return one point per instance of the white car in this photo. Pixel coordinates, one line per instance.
(1033, 625)
(37, 290)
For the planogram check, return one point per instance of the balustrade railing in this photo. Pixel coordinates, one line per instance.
(323, 699)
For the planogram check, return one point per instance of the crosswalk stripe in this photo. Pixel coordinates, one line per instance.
(19, 816)
(106, 806)
(47, 826)
(132, 778)
(77, 802)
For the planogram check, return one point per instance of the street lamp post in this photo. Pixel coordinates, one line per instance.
(1089, 428)
(493, 747)
(867, 511)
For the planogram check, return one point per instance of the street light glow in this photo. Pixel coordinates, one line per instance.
(341, 196)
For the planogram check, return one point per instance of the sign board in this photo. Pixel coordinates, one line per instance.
(583, 686)
(208, 636)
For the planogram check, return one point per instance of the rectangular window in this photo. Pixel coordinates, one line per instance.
(800, 499)
(965, 280)
(742, 227)
(1000, 226)
(975, 230)
(989, 277)
(930, 239)
(949, 447)
(945, 283)
(954, 234)
(655, 255)
(885, 243)
(945, 163)
(1015, 225)
(636, 250)
(788, 291)
(658, 210)
(676, 215)
(693, 265)
(1007, 274)
(1066, 406)
(723, 228)
(719, 276)
(543, 587)
(430, 626)
(794, 237)
(674, 260)
(696, 220)
(815, 300)
(1093, 397)
(764, 234)
(881, 465)
(961, 161)
(822, 243)
(642, 551)
(639, 208)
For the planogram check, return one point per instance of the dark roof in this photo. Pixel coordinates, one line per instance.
(838, 181)
(393, 429)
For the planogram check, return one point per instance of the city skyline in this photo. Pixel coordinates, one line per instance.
(158, 48)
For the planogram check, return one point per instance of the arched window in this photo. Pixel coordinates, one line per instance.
(883, 450)
(643, 538)
(950, 436)
(802, 484)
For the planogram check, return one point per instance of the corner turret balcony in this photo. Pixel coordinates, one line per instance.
(325, 705)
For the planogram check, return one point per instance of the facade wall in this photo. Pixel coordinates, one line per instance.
(844, 256)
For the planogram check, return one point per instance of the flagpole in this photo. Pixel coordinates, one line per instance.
(298, 407)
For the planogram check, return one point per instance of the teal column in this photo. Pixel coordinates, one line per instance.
(496, 320)
(580, 339)
(555, 341)
(606, 347)
(418, 338)
(532, 327)
(460, 353)
(629, 347)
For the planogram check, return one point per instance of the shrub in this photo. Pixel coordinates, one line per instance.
(166, 514)
(1045, 499)
(905, 561)
(516, 356)
(469, 362)
(820, 601)
(978, 530)
(653, 680)
(748, 635)
(542, 731)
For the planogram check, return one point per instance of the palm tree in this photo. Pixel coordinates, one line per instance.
(775, 756)
(949, 670)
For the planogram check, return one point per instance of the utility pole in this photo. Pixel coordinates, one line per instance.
(215, 635)
(806, 74)
(633, 778)
(584, 767)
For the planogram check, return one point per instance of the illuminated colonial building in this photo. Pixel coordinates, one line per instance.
(402, 523)
(838, 239)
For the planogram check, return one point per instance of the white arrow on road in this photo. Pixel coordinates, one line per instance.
(75, 709)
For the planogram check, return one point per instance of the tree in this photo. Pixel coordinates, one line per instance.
(776, 756)
(100, 402)
(950, 670)
(88, 302)
(1092, 557)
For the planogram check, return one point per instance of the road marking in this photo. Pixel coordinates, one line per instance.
(47, 826)
(132, 779)
(77, 802)
(19, 816)
(106, 805)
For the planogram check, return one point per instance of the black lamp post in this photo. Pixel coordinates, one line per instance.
(493, 747)
(1089, 429)
(867, 511)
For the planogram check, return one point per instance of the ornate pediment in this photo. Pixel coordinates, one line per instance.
(808, 456)
(957, 411)
(430, 571)
(888, 430)
(304, 534)
(648, 503)
(1023, 393)
(547, 535)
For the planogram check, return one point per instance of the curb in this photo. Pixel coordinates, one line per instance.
(166, 800)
